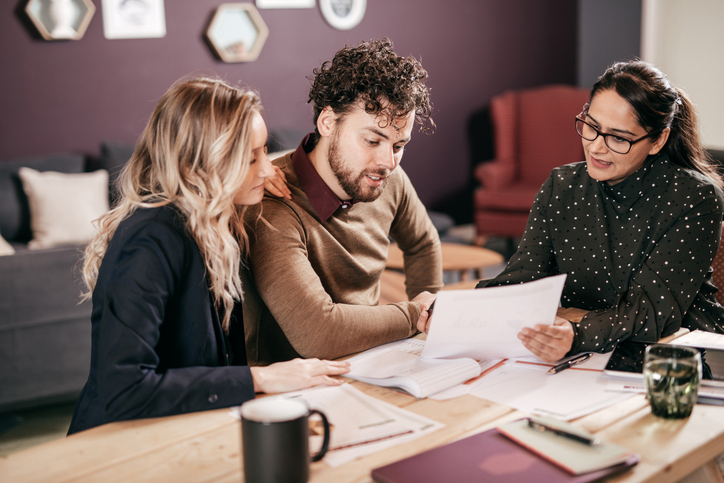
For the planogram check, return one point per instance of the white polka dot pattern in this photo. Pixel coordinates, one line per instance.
(637, 254)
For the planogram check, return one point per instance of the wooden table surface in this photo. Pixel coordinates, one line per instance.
(206, 446)
(455, 257)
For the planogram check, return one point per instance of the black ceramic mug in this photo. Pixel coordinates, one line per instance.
(275, 440)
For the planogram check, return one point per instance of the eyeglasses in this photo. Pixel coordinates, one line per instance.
(615, 143)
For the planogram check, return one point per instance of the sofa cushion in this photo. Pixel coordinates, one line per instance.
(14, 210)
(63, 206)
(113, 157)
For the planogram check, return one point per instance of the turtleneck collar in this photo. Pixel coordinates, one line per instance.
(624, 194)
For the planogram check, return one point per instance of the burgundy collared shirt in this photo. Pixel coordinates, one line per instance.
(320, 196)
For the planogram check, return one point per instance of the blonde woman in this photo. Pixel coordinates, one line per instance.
(163, 270)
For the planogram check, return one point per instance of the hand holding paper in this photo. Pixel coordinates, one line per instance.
(550, 343)
(484, 323)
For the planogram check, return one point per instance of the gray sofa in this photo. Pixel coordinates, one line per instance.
(44, 329)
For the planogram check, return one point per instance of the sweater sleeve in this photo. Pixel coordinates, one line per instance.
(133, 380)
(662, 290)
(314, 324)
(418, 239)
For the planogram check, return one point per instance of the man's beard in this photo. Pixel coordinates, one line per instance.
(354, 184)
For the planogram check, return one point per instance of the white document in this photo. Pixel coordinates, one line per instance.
(361, 424)
(700, 338)
(484, 323)
(567, 395)
(638, 386)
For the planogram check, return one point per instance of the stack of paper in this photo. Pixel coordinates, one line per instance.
(361, 424)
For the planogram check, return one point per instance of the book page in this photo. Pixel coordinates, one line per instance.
(387, 360)
(398, 364)
(484, 323)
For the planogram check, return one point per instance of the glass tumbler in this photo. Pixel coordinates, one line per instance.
(671, 376)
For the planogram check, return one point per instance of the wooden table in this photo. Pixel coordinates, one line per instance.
(392, 287)
(455, 257)
(206, 446)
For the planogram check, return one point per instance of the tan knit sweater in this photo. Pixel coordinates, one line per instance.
(312, 289)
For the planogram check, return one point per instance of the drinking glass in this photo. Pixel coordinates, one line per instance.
(671, 376)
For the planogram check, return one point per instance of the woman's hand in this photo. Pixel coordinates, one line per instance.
(277, 184)
(571, 313)
(425, 299)
(297, 374)
(549, 343)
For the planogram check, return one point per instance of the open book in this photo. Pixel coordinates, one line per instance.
(467, 326)
(398, 364)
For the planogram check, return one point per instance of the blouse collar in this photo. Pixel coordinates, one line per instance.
(625, 193)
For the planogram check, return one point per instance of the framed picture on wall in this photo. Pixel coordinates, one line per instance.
(60, 19)
(343, 14)
(133, 19)
(237, 32)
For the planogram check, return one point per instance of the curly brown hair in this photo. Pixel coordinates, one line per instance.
(371, 72)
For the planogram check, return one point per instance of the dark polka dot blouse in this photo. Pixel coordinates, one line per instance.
(637, 254)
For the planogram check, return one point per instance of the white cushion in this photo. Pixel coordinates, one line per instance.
(5, 247)
(63, 206)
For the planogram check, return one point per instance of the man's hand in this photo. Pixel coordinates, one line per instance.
(425, 299)
(549, 343)
(297, 374)
(277, 184)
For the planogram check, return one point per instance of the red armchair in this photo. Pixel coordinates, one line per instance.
(718, 276)
(533, 133)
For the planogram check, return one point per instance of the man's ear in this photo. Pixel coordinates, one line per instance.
(326, 121)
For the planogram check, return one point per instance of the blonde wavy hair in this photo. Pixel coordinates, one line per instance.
(194, 154)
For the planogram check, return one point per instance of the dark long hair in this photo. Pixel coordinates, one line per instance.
(659, 105)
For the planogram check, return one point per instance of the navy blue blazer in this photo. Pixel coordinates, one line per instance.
(157, 343)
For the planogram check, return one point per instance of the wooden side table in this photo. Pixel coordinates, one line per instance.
(455, 257)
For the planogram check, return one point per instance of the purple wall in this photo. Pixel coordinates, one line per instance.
(68, 96)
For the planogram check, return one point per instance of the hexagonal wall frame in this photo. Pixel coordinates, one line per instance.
(237, 32)
(68, 24)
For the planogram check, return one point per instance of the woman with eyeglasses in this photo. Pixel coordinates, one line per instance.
(635, 227)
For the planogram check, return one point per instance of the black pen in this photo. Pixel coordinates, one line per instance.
(572, 362)
(561, 432)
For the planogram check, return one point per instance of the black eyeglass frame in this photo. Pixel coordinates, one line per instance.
(606, 136)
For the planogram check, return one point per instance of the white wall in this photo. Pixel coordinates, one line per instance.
(608, 31)
(685, 39)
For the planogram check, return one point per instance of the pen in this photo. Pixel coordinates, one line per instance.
(572, 362)
(560, 432)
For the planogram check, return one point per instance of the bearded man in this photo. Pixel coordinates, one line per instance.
(312, 282)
